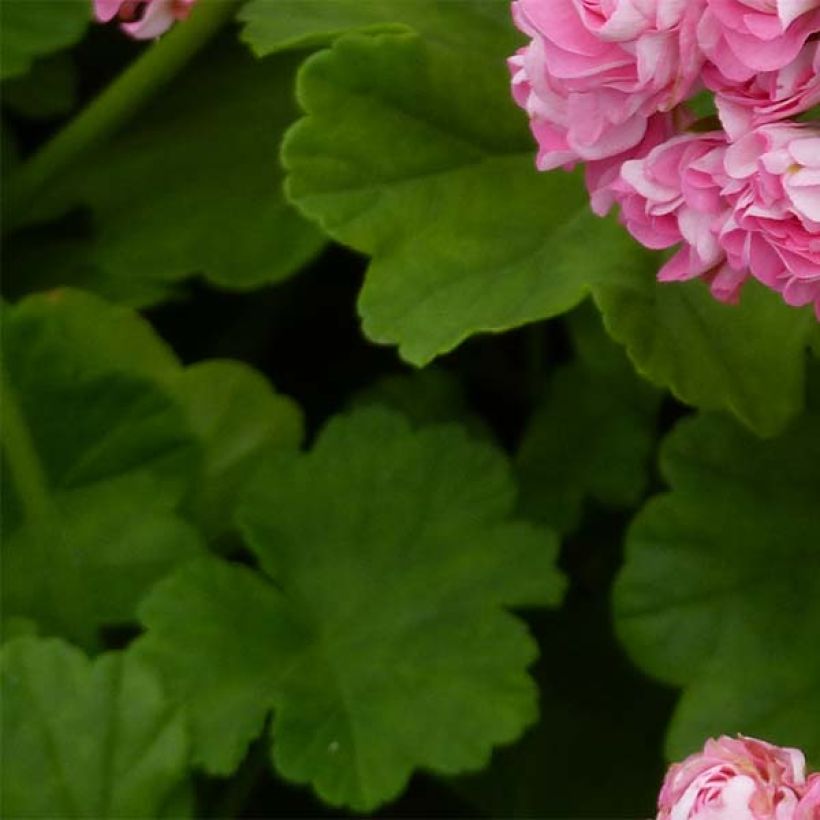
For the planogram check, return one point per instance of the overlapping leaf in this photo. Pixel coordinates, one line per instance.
(721, 589)
(84, 739)
(98, 457)
(381, 643)
(29, 30)
(123, 438)
(191, 186)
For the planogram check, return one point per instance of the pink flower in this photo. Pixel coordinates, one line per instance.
(597, 70)
(773, 188)
(143, 19)
(768, 96)
(809, 806)
(734, 779)
(674, 197)
(744, 37)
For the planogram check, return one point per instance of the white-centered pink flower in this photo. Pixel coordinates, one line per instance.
(735, 779)
(143, 19)
(596, 71)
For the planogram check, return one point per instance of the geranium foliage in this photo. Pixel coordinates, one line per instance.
(355, 459)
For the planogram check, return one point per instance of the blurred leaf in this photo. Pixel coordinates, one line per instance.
(48, 90)
(240, 421)
(379, 636)
(749, 359)
(33, 28)
(721, 590)
(291, 24)
(192, 186)
(465, 236)
(591, 435)
(428, 396)
(85, 739)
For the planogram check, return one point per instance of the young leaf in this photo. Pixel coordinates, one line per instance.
(721, 590)
(33, 29)
(592, 435)
(83, 739)
(192, 186)
(465, 235)
(748, 359)
(379, 637)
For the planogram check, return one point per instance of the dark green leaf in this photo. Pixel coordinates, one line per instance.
(590, 436)
(721, 589)
(381, 642)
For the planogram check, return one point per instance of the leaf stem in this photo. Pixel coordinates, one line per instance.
(114, 106)
(24, 463)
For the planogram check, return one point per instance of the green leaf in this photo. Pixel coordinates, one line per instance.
(748, 359)
(240, 421)
(97, 457)
(192, 186)
(721, 589)
(465, 235)
(83, 739)
(29, 30)
(48, 90)
(590, 436)
(379, 636)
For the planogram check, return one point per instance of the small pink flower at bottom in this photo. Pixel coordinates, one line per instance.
(735, 779)
(143, 19)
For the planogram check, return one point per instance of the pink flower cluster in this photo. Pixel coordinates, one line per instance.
(740, 779)
(606, 82)
(143, 19)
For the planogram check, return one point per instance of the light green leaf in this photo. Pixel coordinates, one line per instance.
(379, 637)
(720, 593)
(749, 359)
(240, 420)
(291, 24)
(84, 739)
(590, 436)
(465, 235)
(192, 186)
(29, 30)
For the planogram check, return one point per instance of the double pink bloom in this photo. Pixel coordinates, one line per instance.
(143, 19)
(740, 779)
(603, 82)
